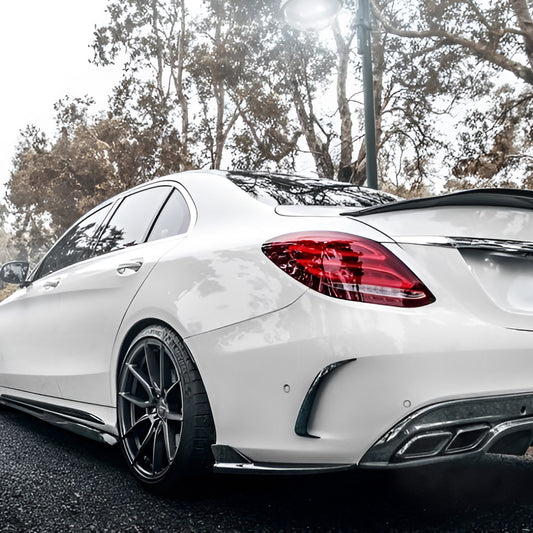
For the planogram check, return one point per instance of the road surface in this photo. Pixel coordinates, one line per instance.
(52, 480)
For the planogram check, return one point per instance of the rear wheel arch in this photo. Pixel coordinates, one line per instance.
(130, 335)
(135, 330)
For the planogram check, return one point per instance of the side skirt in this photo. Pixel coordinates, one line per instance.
(73, 420)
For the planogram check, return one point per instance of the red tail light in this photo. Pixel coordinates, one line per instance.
(348, 267)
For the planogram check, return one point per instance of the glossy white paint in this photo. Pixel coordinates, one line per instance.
(481, 222)
(492, 285)
(259, 337)
(219, 276)
(79, 318)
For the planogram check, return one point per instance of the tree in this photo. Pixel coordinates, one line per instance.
(196, 73)
(477, 55)
(238, 84)
(331, 120)
(7, 251)
(152, 39)
(92, 157)
(227, 83)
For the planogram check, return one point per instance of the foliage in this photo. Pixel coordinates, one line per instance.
(7, 250)
(92, 157)
(204, 74)
(7, 291)
(476, 60)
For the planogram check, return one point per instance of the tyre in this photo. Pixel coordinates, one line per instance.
(165, 424)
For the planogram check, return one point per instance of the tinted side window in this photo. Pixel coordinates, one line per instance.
(173, 219)
(133, 218)
(75, 246)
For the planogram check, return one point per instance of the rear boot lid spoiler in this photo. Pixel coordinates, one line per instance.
(513, 198)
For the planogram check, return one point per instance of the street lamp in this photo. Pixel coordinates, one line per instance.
(319, 14)
(314, 15)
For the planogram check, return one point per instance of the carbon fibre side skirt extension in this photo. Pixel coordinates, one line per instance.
(73, 420)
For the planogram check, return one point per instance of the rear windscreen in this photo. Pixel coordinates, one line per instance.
(281, 189)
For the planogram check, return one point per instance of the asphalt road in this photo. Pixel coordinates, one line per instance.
(52, 480)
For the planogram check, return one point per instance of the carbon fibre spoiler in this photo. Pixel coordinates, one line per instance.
(513, 198)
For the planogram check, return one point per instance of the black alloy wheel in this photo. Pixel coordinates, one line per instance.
(165, 422)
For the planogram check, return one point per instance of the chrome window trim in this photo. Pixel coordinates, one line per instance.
(113, 204)
(473, 243)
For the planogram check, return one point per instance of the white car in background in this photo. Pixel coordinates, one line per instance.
(257, 322)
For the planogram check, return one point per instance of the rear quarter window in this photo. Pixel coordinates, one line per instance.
(174, 218)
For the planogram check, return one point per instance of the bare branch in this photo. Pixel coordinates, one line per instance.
(523, 15)
(480, 49)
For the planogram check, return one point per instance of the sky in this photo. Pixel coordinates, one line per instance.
(45, 53)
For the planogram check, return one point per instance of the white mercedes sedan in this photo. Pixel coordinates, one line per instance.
(257, 322)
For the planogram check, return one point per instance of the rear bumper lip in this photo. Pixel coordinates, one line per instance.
(280, 469)
(231, 460)
(494, 418)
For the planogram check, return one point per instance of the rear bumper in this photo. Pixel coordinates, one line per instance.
(444, 432)
(280, 397)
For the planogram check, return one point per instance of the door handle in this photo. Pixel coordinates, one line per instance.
(52, 284)
(131, 265)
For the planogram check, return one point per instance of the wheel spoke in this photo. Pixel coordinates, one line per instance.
(158, 450)
(137, 425)
(152, 363)
(139, 402)
(144, 444)
(173, 387)
(168, 443)
(175, 417)
(142, 379)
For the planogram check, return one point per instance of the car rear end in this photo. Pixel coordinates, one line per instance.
(410, 343)
(475, 251)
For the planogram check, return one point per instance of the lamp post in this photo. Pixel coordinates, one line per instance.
(318, 15)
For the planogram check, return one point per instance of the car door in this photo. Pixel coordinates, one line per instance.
(30, 319)
(79, 308)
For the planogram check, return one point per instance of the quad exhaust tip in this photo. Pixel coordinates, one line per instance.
(464, 439)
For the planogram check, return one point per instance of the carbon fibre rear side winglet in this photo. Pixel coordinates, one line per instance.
(306, 408)
(513, 198)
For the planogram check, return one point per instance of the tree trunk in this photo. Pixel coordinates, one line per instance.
(178, 80)
(523, 15)
(378, 59)
(319, 149)
(343, 51)
(157, 36)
